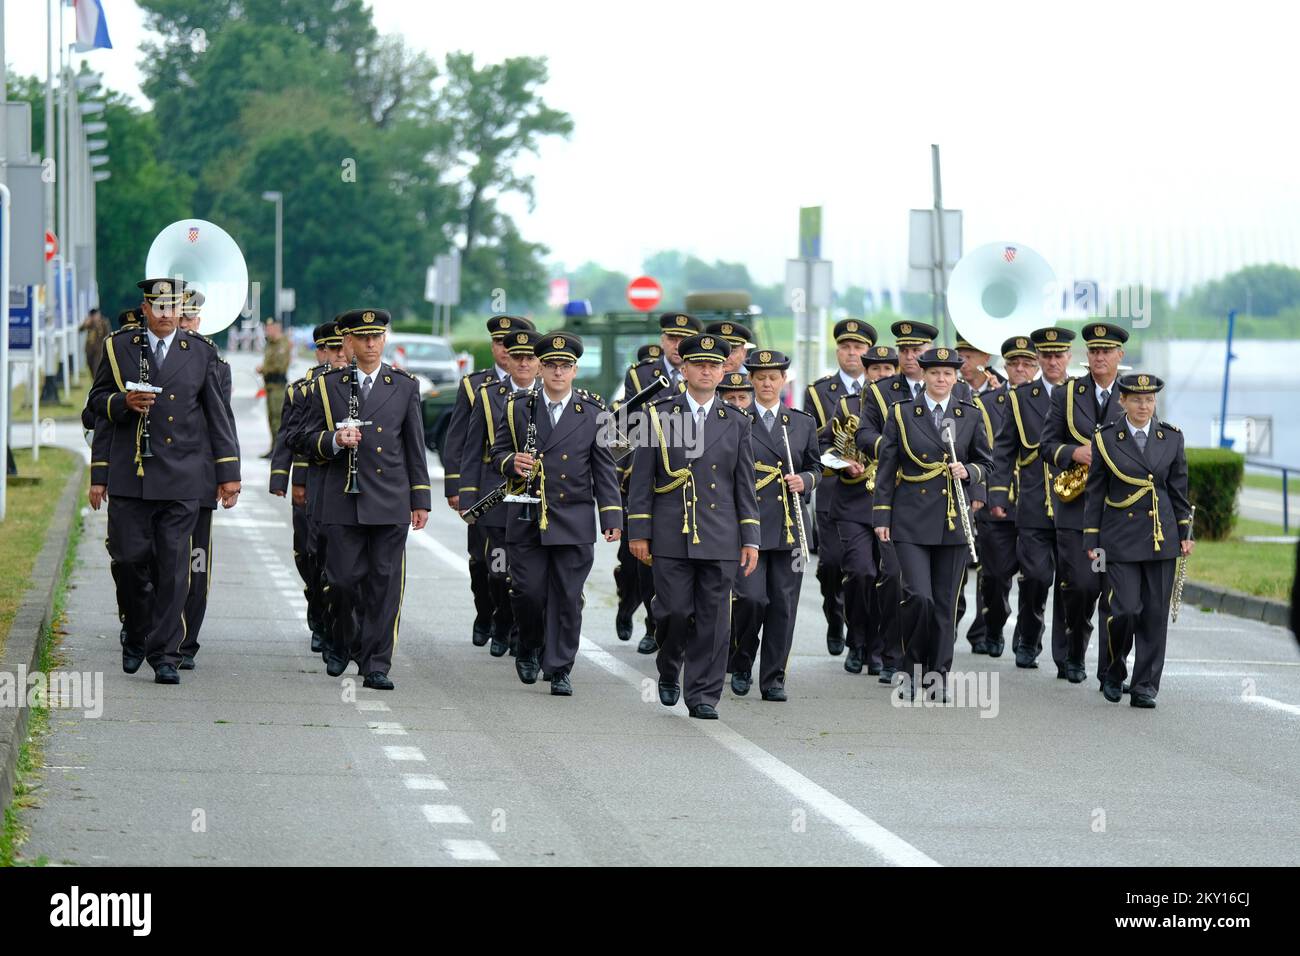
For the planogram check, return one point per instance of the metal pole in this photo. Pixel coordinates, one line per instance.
(4, 328)
(49, 155)
(1223, 401)
(941, 279)
(279, 255)
(72, 335)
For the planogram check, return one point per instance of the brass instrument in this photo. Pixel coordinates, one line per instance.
(621, 447)
(351, 487)
(845, 447)
(963, 507)
(1071, 482)
(1181, 575)
(798, 501)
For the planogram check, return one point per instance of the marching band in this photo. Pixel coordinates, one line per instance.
(923, 466)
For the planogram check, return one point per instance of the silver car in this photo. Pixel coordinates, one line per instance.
(428, 356)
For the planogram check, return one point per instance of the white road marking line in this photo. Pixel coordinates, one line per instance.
(469, 850)
(404, 753)
(1215, 660)
(856, 824)
(369, 705)
(1272, 704)
(449, 557)
(422, 781)
(387, 727)
(444, 813)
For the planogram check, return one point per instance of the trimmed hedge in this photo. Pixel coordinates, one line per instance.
(1213, 480)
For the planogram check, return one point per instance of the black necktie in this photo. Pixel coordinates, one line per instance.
(365, 389)
(938, 417)
(769, 418)
(857, 388)
(160, 354)
(1105, 400)
(1141, 438)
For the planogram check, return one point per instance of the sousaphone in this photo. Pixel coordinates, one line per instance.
(206, 258)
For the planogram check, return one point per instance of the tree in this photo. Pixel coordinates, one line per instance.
(1258, 290)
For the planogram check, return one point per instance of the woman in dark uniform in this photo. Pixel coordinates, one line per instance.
(1137, 519)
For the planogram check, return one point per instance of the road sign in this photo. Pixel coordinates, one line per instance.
(51, 245)
(644, 293)
(431, 284)
(22, 303)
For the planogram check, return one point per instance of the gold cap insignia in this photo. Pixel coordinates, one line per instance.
(681, 320)
(367, 316)
(906, 328)
(1144, 380)
(558, 342)
(656, 351)
(1021, 344)
(1099, 330)
(727, 329)
(765, 357)
(735, 378)
(706, 343)
(164, 286)
(942, 353)
(852, 326)
(1050, 335)
(504, 322)
(882, 350)
(521, 338)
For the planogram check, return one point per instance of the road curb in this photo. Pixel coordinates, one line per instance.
(23, 647)
(1227, 601)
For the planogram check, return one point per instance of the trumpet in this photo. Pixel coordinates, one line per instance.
(1071, 482)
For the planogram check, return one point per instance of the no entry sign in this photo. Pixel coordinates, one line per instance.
(644, 293)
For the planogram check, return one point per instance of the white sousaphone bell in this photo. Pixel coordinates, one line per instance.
(999, 290)
(206, 258)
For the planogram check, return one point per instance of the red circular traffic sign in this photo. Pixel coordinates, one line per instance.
(51, 246)
(644, 293)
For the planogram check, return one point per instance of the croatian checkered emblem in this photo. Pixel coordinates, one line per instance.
(194, 233)
(1009, 253)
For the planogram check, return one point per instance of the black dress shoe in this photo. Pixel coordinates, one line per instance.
(887, 675)
(481, 634)
(499, 648)
(669, 693)
(1026, 659)
(1145, 701)
(121, 637)
(317, 642)
(187, 662)
(1062, 672)
(1112, 691)
(560, 686)
(1127, 689)
(873, 670)
(996, 648)
(166, 674)
(853, 662)
(709, 712)
(131, 661)
(623, 627)
(835, 641)
(741, 682)
(979, 647)
(1075, 673)
(648, 645)
(377, 680)
(526, 667)
(775, 694)
(334, 666)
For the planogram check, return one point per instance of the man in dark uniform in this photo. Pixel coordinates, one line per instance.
(852, 339)
(453, 447)
(477, 477)
(154, 500)
(996, 534)
(201, 550)
(916, 508)
(365, 553)
(1080, 409)
(573, 474)
(1021, 488)
(738, 337)
(289, 471)
(693, 507)
(1138, 472)
(768, 599)
(632, 579)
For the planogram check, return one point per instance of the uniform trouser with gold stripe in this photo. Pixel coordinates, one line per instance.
(767, 600)
(365, 566)
(693, 624)
(1036, 556)
(1139, 594)
(476, 543)
(196, 605)
(998, 565)
(151, 542)
(931, 577)
(1081, 587)
(830, 574)
(546, 584)
(860, 565)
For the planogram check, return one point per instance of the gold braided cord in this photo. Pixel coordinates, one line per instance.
(683, 478)
(1047, 489)
(1149, 485)
(773, 473)
(929, 469)
(1069, 414)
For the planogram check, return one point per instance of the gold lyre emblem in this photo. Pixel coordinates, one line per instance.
(1144, 380)
(764, 357)
(735, 378)
(558, 342)
(1021, 344)
(681, 320)
(727, 329)
(522, 338)
(1099, 330)
(943, 354)
(906, 328)
(706, 343)
(504, 322)
(882, 351)
(1051, 335)
(367, 316)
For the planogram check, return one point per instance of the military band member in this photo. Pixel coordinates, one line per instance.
(632, 579)
(1077, 411)
(275, 374)
(916, 508)
(154, 501)
(737, 389)
(673, 327)
(1138, 519)
(852, 339)
(768, 599)
(201, 550)
(573, 473)
(1021, 488)
(478, 478)
(365, 552)
(738, 337)
(692, 506)
(451, 453)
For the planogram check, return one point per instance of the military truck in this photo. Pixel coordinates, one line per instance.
(610, 342)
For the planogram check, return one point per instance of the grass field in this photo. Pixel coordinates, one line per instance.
(1262, 569)
(65, 410)
(1272, 482)
(22, 534)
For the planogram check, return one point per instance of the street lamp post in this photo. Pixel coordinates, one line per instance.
(278, 199)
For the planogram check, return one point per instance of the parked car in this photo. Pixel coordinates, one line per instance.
(428, 356)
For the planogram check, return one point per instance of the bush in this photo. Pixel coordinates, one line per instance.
(1213, 479)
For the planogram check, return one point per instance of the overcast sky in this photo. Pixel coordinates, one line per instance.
(1125, 141)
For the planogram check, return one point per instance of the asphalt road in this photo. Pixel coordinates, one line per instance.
(259, 758)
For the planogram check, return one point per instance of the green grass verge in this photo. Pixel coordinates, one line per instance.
(64, 410)
(31, 756)
(1272, 483)
(1258, 568)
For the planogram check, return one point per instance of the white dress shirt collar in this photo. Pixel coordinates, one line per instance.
(564, 402)
(1133, 429)
(154, 340)
(696, 406)
(849, 381)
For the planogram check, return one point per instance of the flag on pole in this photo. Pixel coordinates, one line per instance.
(92, 31)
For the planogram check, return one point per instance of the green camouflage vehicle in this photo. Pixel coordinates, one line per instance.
(609, 344)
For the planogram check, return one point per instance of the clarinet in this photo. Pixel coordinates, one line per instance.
(798, 500)
(146, 450)
(1181, 575)
(962, 507)
(528, 512)
(351, 486)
